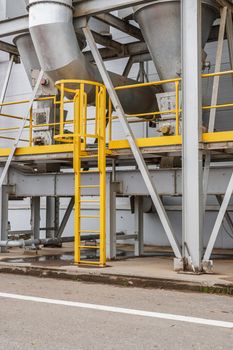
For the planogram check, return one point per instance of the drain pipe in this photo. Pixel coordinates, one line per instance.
(21, 243)
(54, 38)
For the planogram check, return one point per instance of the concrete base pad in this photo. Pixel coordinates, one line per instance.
(146, 272)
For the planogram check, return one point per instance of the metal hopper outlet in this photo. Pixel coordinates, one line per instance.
(160, 23)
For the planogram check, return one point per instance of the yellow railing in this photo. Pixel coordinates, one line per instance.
(61, 125)
(30, 126)
(143, 117)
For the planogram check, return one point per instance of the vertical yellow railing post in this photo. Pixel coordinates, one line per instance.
(84, 119)
(97, 109)
(30, 128)
(62, 109)
(177, 108)
(77, 166)
(102, 172)
(109, 120)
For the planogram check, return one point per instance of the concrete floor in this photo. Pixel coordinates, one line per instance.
(145, 272)
(27, 325)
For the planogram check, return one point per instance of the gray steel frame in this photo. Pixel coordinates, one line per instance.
(135, 149)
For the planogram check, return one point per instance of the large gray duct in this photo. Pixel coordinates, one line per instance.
(160, 23)
(55, 41)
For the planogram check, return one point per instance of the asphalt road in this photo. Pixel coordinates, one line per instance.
(27, 324)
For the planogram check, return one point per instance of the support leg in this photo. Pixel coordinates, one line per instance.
(214, 99)
(229, 29)
(4, 197)
(111, 221)
(35, 217)
(227, 218)
(52, 216)
(65, 218)
(218, 222)
(192, 157)
(138, 222)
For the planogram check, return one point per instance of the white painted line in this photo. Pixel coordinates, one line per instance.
(119, 310)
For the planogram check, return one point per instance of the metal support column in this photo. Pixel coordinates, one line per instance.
(214, 99)
(227, 218)
(35, 217)
(65, 218)
(229, 30)
(218, 222)
(6, 81)
(133, 145)
(192, 156)
(138, 224)
(4, 197)
(111, 221)
(52, 216)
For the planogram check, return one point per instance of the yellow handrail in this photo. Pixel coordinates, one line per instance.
(70, 87)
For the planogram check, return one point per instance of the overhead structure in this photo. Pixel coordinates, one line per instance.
(82, 124)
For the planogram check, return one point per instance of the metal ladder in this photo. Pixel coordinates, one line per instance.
(80, 148)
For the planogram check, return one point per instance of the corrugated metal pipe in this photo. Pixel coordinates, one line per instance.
(53, 35)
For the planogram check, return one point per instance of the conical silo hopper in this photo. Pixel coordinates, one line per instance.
(27, 53)
(160, 23)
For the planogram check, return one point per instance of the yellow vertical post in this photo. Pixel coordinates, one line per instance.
(177, 108)
(77, 174)
(30, 128)
(62, 110)
(102, 172)
(84, 118)
(109, 120)
(97, 109)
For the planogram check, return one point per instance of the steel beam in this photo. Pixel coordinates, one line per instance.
(227, 3)
(21, 129)
(218, 222)
(65, 218)
(135, 150)
(6, 81)
(111, 190)
(227, 218)
(121, 25)
(229, 30)
(52, 216)
(14, 26)
(192, 112)
(168, 181)
(9, 48)
(35, 217)
(105, 41)
(4, 197)
(93, 7)
(138, 226)
(214, 99)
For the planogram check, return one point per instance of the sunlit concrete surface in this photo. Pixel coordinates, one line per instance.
(149, 271)
(31, 325)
